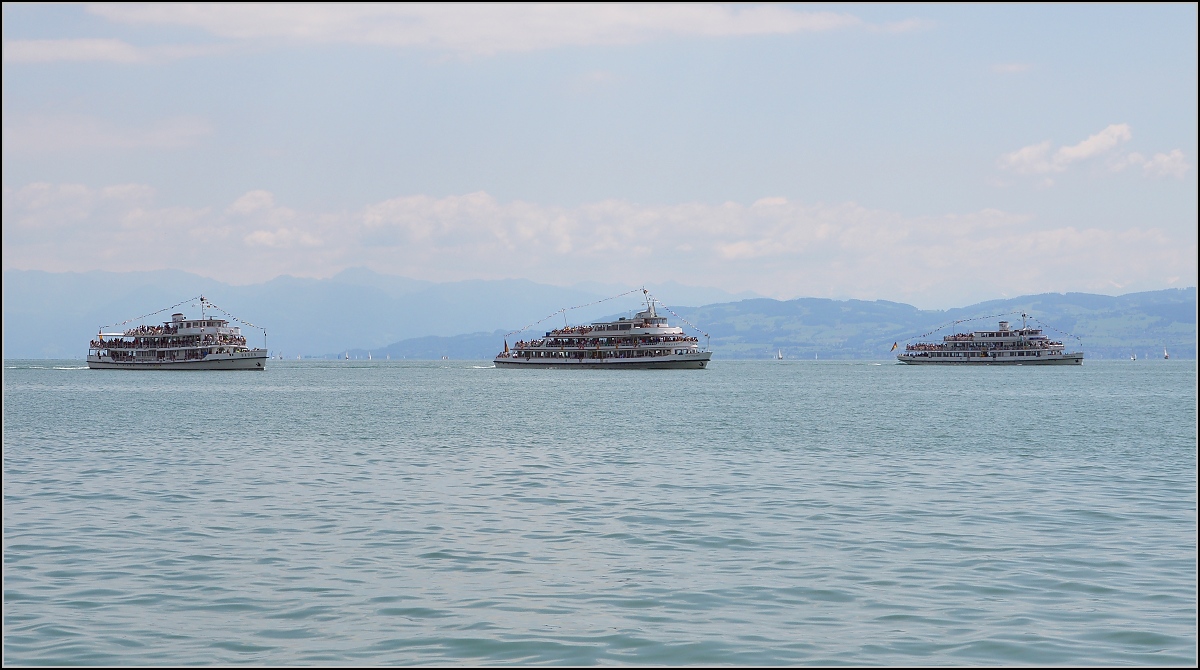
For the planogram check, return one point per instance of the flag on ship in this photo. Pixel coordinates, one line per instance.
(894, 345)
(506, 345)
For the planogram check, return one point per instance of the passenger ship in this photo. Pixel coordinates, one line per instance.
(206, 343)
(1003, 346)
(642, 343)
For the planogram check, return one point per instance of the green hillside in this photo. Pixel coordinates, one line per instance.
(1103, 326)
(1107, 327)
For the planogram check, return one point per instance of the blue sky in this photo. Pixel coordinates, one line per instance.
(927, 154)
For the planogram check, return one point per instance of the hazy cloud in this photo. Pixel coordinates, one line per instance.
(773, 246)
(483, 29)
(907, 25)
(35, 134)
(101, 50)
(51, 51)
(1162, 165)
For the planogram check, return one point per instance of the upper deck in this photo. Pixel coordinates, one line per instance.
(647, 322)
(182, 326)
(1002, 335)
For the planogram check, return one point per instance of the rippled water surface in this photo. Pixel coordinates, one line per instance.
(753, 513)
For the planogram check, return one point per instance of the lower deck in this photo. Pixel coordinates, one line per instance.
(255, 359)
(1067, 359)
(696, 361)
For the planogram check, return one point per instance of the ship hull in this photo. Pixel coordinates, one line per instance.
(1065, 360)
(699, 362)
(253, 361)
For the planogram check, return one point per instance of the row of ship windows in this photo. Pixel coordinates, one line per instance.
(628, 353)
(962, 354)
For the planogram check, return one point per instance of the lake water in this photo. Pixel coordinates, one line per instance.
(353, 512)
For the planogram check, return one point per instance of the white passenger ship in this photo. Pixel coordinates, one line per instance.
(206, 343)
(641, 343)
(1003, 346)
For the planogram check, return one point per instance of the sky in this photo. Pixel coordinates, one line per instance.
(928, 154)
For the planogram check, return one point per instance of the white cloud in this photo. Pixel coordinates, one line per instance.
(284, 238)
(1043, 159)
(254, 201)
(1032, 159)
(1095, 145)
(1040, 159)
(1162, 165)
(34, 134)
(483, 29)
(773, 246)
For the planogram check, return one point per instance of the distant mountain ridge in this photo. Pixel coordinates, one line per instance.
(1106, 326)
(53, 315)
(818, 328)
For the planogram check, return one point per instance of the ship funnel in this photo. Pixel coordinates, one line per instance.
(1004, 325)
(176, 317)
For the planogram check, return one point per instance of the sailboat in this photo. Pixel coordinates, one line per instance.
(347, 355)
(1166, 356)
(779, 355)
(1132, 357)
(368, 355)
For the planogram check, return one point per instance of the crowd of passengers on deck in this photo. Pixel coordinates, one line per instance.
(580, 355)
(963, 337)
(1040, 344)
(583, 330)
(585, 343)
(234, 340)
(183, 355)
(572, 330)
(151, 330)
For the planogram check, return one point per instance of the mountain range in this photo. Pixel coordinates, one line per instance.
(361, 313)
(53, 315)
(816, 328)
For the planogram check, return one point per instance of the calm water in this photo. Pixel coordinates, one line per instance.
(753, 513)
